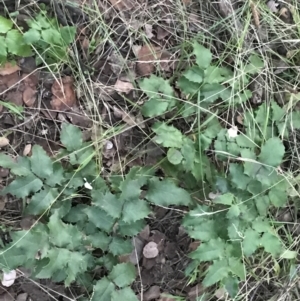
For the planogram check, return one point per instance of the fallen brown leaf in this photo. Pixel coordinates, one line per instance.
(3, 141)
(63, 94)
(161, 33)
(15, 97)
(147, 56)
(152, 293)
(27, 150)
(126, 117)
(29, 96)
(124, 87)
(9, 68)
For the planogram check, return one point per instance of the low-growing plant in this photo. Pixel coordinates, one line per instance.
(74, 220)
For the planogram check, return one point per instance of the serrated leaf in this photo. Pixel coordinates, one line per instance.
(154, 107)
(135, 210)
(130, 189)
(225, 199)
(167, 135)
(212, 92)
(244, 141)
(31, 36)
(24, 186)
(41, 164)
(194, 74)
(237, 267)
(42, 201)
(21, 167)
(174, 156)
(216, 272)
(277, 112)
(99, 218)
(64, 260)
(124, 294)
(214, 74)
(109, 202)
(255, 64)
(272, 152)
(5, 25)
(188, 87)
(103, 290)
(271, 243)
(207, 251)
(120, 246)
(278, 197)
(122, 274)
(71, 137)
(98, 240)
(57, 177)
(232, 286)
(237, 176)
(15, 43)
(251, 241)
(188, 152)
(131, 229)
(203, 55)
(3, 49)
(63, 235)
(204, 231)
(166, 193)
(262, 204)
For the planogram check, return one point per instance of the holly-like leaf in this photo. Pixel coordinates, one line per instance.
(119, 246)
(216, 272)
(5, 25)
(58, 175)
(167, 135)
(271, 243)
(131, 229)
(154, 107)
(42, 201)
(71, 137)
(109, 202)
(135, 210)
(23, 186)
(251, 241)
(98, 240)
(100, 218)
(174, 156)
(41, 164)
(63, 235)
(225, 199)
(166, 193)
(203, 231)
(278, 197)
(211, 250)
(203, 55)
(237, 176)
(122, 274)
(124, 294)
(272, 152)
(103, 290)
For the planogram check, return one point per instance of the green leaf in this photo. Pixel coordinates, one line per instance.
(214, 74)
(262, 204)
(24, 186)
(203, 55)
(232, 286)
(68, 34)
(31, 36)
(63, 235)
(58, 175)
(204, 231)
(194, 74)
(119, 246)
(272, 152)
(15, 43)
(277, 112)
(225, 199)
(188, 87)
(251, 241)
(131, 229)
(216, 272)
(3, 48)
(122, 274)
(100, 218)
(174, 156)
(124, 294)
(188, 152)
(212, 92)
(211, 250)
(166, 193)
(135, 210)
(71, 137)
(109, 202)
(255, 65)
(41, 164)
(98, 240)
(103, 290)
(167, 135)
(237, 267)
(42, 201)
(5, 25)
(237, 176)
(271, 243)
(154, 107)
(278, 197)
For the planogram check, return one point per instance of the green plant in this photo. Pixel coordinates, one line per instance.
(74, 222)
(44, 35)
(247, 182)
